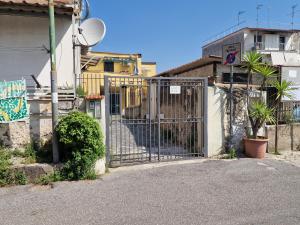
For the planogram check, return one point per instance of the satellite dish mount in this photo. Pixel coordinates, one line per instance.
(91, 32)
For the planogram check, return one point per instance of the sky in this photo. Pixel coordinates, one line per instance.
(171, 32)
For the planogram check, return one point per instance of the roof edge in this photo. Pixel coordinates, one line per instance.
(193, 65)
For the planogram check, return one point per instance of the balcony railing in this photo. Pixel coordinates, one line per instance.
(90, 84)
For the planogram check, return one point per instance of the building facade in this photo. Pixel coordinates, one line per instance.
(25, 55)
(262, 40)
(24, 41)
(96, 65)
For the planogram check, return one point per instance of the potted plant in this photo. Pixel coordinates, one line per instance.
(259, 113)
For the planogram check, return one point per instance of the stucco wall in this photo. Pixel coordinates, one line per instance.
(216, 120)
(216, 48)
(289, 136)
(21, 49)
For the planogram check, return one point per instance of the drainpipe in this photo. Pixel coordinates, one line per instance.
(53, 74)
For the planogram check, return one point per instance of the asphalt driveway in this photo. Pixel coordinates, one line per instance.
(244, 191)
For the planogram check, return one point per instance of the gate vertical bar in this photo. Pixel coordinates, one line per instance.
(149, 106)
(121, 120)
(205, 116)
(107, 118)
(158, 116)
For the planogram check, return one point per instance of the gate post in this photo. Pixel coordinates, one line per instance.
(158, 115)
(107, 118)
(150, 115)
(205, 121)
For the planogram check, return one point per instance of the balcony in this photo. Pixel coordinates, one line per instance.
(91, 84)
(263, 46)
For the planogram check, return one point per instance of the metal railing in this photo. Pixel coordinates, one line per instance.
(90, 84)
(44, 93)
(289, 112)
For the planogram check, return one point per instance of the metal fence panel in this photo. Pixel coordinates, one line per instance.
(158, 118)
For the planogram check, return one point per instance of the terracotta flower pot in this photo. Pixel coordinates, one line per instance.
(256, 148)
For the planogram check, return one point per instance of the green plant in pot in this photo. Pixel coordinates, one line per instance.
(259, 114)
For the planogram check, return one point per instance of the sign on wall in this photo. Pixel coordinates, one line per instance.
(232, 54)
(13, 102)
(175, 90)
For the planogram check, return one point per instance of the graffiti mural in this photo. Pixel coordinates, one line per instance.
(13, 101)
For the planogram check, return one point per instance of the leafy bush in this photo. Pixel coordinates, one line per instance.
(81, 144)
(7, 175)
(48, 179)
(80, 92)
(30, 154)
(20, 178)
(232, 153)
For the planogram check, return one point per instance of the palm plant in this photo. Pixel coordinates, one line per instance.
(251, 61)
(267, 72)
(284, 90)
(259, 113)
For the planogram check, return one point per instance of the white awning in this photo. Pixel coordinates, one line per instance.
(285, 58)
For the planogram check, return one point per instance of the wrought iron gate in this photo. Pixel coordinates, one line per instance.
(150, 119)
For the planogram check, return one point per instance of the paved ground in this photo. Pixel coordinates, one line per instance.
(292, 157)
(244, 191)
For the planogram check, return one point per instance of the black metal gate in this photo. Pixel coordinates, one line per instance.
(150, 119)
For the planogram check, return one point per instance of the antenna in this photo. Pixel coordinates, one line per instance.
(91, 32)
(293, 15)
(258, 7)
(239, 15)
(268, 15)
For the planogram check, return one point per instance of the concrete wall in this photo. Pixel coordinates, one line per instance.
(22, 53)
(216, 120)
(15, 134)
(216, 48)
(289, 136)
(148, 70)
(38, 127)
(219, 120)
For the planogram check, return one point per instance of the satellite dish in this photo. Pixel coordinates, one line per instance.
(91, 32)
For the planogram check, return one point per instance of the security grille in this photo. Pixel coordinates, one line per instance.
(155, 119)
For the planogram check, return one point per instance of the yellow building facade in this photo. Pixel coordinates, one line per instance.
(96, 65)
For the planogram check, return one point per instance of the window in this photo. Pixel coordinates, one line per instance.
(240, 78)
(258, 42)
(281, 43)
(259, 38)
(108, 66)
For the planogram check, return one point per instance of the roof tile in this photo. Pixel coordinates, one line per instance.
(60, 3)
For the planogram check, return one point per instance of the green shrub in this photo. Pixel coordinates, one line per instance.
(81, 144)
(20, 178)
(9, 176)
(5, 174)
(30, 154)
(50, 178)
(80, 92)
(232, 153)
(35, 153)
(17, 153)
